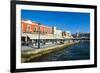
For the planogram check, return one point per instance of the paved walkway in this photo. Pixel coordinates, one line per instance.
(31, 48)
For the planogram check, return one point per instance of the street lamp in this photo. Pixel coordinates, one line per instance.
(39, 35)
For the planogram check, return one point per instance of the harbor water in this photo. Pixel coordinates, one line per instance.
(80, 51)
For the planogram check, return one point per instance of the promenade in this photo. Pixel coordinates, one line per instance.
(35, 47)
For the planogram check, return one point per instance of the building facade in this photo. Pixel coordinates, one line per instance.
(32, 32)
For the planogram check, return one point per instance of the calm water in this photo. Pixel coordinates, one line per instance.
(79, 51)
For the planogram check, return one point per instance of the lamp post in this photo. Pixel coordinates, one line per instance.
(39, 35)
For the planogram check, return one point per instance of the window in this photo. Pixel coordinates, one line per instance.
(35, 29)
(28, 28)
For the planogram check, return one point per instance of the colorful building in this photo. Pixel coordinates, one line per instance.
(32, 27)
(32, 32)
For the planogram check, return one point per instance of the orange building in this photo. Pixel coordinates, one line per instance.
(32, 27)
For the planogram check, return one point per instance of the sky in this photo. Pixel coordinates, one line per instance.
(65, 21)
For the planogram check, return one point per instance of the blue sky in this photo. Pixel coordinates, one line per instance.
(66, 21)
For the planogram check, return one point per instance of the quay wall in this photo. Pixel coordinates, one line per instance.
(27, 56)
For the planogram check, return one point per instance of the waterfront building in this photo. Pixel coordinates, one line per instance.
(67, 35)
(33, 31)
(81, 35)
(84, 35)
